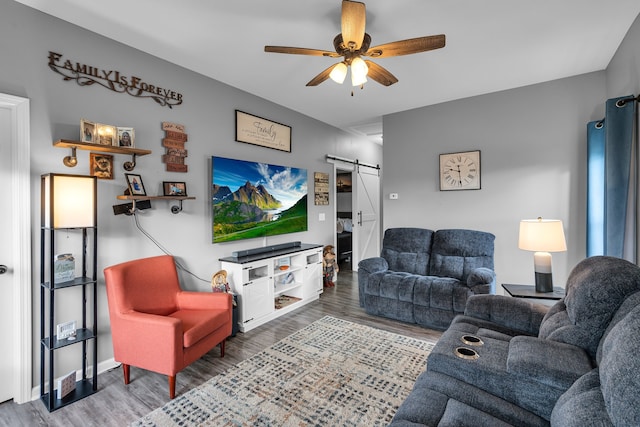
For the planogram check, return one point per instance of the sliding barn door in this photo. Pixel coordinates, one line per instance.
(366, 214)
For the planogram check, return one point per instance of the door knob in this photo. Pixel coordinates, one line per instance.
(3, 269)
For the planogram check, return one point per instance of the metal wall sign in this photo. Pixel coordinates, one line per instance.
(87, 75)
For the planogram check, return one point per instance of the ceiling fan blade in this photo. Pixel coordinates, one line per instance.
(354, 18)
(321, 77)
(300, 51)
(407, 47)
(380, 74)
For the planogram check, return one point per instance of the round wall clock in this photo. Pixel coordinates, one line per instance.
(460, 171)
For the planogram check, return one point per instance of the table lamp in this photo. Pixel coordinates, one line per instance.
(542, 236)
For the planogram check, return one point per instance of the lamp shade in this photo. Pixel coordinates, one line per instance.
(542, 235)
(359, 70)
(68, 201)
(339, 73)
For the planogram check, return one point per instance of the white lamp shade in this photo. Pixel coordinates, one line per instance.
(339, 73)
(68, 201)
(359, 72)
(542, 235)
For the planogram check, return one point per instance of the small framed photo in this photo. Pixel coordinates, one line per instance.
(106, 134)
(134, 182)
(101, 165)
(87, 131)
(126, 137)
(174, 188)
(66, 330)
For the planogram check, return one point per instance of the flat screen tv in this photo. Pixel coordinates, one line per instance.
(253, 199)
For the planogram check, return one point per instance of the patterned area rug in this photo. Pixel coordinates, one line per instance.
(330, 373)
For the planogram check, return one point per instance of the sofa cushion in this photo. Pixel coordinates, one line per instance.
(464, 405)
(548, 362)
(407, 249)
(456, 253)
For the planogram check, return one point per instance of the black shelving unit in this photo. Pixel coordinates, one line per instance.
(86, 332)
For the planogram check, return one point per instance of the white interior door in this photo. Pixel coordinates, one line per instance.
(6, 262)
(15, 251)
(366, 214)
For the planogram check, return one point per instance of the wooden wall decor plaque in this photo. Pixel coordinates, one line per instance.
(173, 142)
(260, 131)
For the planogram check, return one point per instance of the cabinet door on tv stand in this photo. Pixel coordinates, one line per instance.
(257, 300)
(313, 274)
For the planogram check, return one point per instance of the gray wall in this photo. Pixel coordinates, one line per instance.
(26, 37)
(532, 143)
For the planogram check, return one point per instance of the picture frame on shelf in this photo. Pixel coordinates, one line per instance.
(66, 331)
(101, 165)
(126, 137)
(87, 131)
(173, 188)
(135, 185)
(106, 134)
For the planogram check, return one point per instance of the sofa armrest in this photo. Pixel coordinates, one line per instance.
(548, 362)
(482, 276)
(134, 333)
(373, 265)
(512, 313)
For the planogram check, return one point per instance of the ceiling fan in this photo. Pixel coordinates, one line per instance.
(353, 43)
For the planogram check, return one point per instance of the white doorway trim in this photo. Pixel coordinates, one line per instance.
(21, 244)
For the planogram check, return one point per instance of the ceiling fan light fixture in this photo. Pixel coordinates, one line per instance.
(339, 73)
(359, 71)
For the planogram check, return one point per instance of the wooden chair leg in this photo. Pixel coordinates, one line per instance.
(222, 347)
(126, 372)
(172, 386)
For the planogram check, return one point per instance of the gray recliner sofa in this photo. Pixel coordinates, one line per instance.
(424, 276)
(508, 361)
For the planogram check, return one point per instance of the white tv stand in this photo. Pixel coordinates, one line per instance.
(274, 281)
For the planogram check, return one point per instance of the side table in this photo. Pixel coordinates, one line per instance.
(529, 291)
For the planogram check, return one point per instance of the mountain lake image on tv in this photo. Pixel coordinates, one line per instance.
(252, 199)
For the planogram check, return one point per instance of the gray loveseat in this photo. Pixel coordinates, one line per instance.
(574, 364)
(424, 276)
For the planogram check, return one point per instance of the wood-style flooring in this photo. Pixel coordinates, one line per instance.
(116, 404)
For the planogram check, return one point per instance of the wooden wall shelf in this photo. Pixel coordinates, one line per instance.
(71, 160)
(67, 143)
(128, 197)
(174, 209)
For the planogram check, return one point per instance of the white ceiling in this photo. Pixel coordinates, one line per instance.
(492, 45)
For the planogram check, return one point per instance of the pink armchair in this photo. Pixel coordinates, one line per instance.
(157, 326)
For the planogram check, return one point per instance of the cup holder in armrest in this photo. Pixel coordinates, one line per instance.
(471, 340)
(466, 353)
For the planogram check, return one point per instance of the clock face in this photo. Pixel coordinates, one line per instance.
(460, 171)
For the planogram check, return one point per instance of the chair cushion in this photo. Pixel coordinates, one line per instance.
(197, 324)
